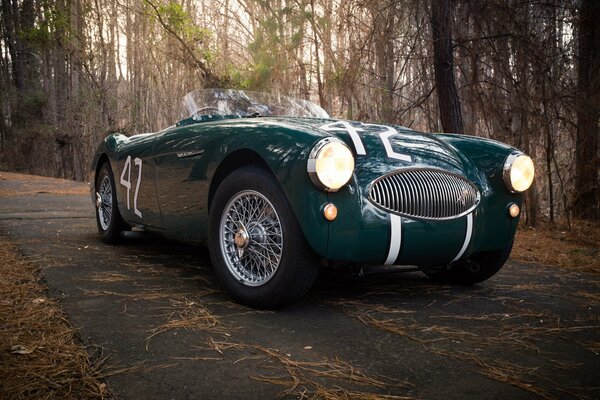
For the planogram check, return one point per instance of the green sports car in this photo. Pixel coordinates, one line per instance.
(276, 188)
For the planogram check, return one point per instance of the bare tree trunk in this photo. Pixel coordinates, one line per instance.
(449, 103)
(328, 58)
(10, 18)
(587, 198)
(322, 99)
(60, 68)
(384, 17)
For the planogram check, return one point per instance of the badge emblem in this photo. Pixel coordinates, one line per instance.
(462, 198)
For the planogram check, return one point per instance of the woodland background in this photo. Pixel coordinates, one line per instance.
(520, 71)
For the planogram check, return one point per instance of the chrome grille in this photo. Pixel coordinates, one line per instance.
(428, 194)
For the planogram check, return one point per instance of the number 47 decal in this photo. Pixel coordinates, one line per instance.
(358, 145)
(127, 182)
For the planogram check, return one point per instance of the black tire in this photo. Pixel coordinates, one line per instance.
(110, 225)
(275, 228)
(474, 269)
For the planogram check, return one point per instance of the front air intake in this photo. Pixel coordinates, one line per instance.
(426, 194)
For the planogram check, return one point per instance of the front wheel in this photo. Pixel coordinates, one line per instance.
(474, 269)
(256, 246)
(109, 220)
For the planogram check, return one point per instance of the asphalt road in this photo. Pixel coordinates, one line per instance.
(169, 332)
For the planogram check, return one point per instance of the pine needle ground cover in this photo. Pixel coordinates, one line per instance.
(40, 356)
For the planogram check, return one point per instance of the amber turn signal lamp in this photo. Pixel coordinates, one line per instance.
(513, 210)
(330, 211)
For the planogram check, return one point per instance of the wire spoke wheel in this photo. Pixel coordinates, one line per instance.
(251, 238)
(108, 218)
(256, 245)
(104, 203)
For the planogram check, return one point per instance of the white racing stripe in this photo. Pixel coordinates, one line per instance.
(385, 139)
(352, 131)
(468, 235)
(395, 238)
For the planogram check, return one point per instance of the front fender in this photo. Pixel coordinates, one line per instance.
(107, 149)
(285, 150)
(495, 228)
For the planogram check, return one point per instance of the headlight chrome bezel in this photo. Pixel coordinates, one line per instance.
(507, 169)
(311, 166)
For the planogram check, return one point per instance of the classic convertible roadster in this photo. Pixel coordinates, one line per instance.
(277, 189)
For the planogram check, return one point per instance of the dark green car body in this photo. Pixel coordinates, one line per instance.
(173, 174)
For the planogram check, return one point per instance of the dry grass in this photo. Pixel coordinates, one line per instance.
(189, 315)
(109, 277)
(575, 249)
(31, 184)
(592, 346)
(39, 356)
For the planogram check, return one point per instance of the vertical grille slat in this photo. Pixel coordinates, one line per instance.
(447, 190)
(405, 196)
(428, 194)
(424, 194)
(456, 190)
(417, 192)
(436, 201)
(394, 191)
(430, 205)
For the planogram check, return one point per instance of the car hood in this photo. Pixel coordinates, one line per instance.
(387, 147)
(379, 149)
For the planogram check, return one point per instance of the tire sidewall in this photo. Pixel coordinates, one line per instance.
(489, 262)
(115, 226)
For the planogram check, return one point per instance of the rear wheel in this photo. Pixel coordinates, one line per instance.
(109, 220)
(474, 269)
(257, 248)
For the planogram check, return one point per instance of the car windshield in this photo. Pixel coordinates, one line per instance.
(247, 104)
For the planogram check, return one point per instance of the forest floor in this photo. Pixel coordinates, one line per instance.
(577, 248)
(80, 319)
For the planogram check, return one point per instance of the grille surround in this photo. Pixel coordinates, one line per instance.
(427, 194)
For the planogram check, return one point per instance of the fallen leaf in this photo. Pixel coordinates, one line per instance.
(20, 349)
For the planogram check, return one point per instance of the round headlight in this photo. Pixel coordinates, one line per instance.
(518, 172)
(330, 164)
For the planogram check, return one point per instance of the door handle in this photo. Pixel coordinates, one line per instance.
(187, 154)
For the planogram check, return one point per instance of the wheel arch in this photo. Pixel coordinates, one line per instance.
(304, 198)
(233, 161)
(101, 160)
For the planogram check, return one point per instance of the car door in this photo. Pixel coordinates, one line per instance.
(182, 184)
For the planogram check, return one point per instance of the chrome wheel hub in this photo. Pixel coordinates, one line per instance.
(242, 239)
(251, 238)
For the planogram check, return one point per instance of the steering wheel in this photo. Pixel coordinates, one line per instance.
(202, 111)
